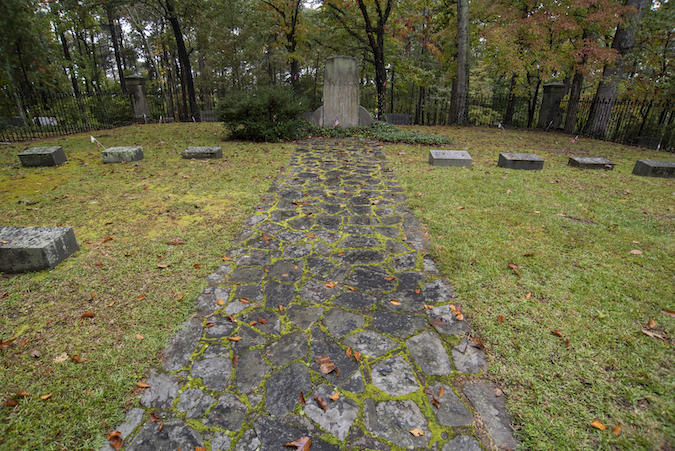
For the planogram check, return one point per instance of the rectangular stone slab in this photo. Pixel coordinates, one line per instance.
(457, 158)
(120, 154)
(527, 161)
(43, 156)
(203, 152)
(591, 163)
(24, 249)
(653, 168)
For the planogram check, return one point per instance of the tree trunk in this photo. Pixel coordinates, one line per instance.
(116, 47)
(573, 104)
(391, 90)
(183, 58)
(511, 105)
(462, 92)
(532, 107)
(612, 74)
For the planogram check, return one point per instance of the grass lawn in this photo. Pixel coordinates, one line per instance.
(568, 232)
(128, 219)
(564, 336)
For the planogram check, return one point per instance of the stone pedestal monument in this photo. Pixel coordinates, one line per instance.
(341, 95)
(139, 102)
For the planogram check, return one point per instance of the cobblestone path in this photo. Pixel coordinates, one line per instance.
(328, 296)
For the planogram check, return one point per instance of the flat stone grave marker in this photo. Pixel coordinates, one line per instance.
(654, 168)
(526, 161)
(457, 158)
(120, 154)
(24, 249)
(203, 152)
(591, 163)
(43, 156)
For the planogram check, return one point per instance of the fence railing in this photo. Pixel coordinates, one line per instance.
(644, 123)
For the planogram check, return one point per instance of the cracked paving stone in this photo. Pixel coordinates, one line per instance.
(286, 270)
(322, 344)
(162, 391)
(404, 262)
(340, 322)
(492, 411)
(391, 232)
(222, 327)
(279, 294)
(320, 266)
(416, 240)
(370, 343)
(247, 275)
(292, 237)
(228, 414)
(444, 321)
(403, 301)
(468, 359)
(289, 347)
(451, 411)
(398, 325)
(429, 353)
(437, 292)
(174, 434)
(132, 419)
(295, 251)
(339, 416)
(282, 215)
(273, 434)
(393, 421)
(360, 257)
(395, 247)
(330, 222)
(249, 338)
(273, 325)
(214, 372)
(221, 442)
(354, 384)
(234, 307)
(283, 388)
(257, 258)
(394, 376)
(248, 442)
(462, 443)
(250, 370)
(316, 292)
(206, 303)
(182, 345)
(355, 300)
(359, 241)
(216, 350)
(368, 278)
(194, 402)
(304, 317)
(253, 293)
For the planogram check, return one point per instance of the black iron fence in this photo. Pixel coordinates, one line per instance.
(644, 123)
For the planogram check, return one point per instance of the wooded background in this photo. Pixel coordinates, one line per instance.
(439, 61)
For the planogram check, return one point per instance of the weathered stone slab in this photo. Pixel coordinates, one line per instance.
(43, 156)
(131, 421)
(304, 317)
(120, 154)
(194, 402)
(251, 368)
(591, 163)
(398, 325)
(340, 322)
(445, 322)
(463, 443)
(654, 168)
(273, 434)
(203, 152)
(527, 161)
(456, 158)
(394, 376)
(468, 359)
(355, 384)
(175, 434)
(182, 345)
(492, 411)
(393, 420)
(283, 388)
(24, 249)
(215, 372)
(355, 300)
(339, 416)
(221, 442)
(451, 410)
(289, 347)
(162, 391)
(316, 291)
(248, 442)
(228, 414)
(429, 353)
(370, 278)
(321, 345)
(370, 343)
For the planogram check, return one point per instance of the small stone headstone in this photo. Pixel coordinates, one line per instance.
(653, 168)
(25, 249)
(120, 154)
(527, 161)
(591, 163)
(43, 156)
(203, 152)
(457, 158)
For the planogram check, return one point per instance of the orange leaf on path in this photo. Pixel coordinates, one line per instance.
(389, 278)
(435, 402)
(349, 352)
(116, 443)
(428, 307)
(113, 435)
(598, 424)
(200, 448)
(301, 398)
(281, 308)
(357, 356)
(235, 359)
(441, 393)
(262, 320)
(253, 323)
(330, 284)
(417, 432)
(220, 302)
(301, 444)
(325, 364)
(322, 402)
(244, 301)
(237, 338)
(142, 384)
(395, 302)
(153, 417)
(335, 396)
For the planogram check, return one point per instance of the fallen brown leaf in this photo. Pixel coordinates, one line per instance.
(113, 435)
(330, 284)
(636, 252)
(322, 402)
(43, 397)
(325, 364)
(335, 396)
(262, 320)
(357, 356)
(349, 352)
(435, 403)
(209, 325)
(598, 424)
(652, 334)
(244, 301)
(514, 267)
(253, 323)
(500, 319)
(10, 403)
(237, 338)
(652, 323)
(231, 318)
(557, 332)
(78, 359)
(301, 398)
(665, 311)
(428, 307)
(617, 429)
(459, 316)
(281, 308)
(301, 444)
(139, 337)
(235, 359)
(220, 302)
(528, 295)
(88, 315)
(389, 278)
(200, 448)
(441, 392)
(395, 302)
(116, 443)
(153, 417)
(417, 432)
(142, 384)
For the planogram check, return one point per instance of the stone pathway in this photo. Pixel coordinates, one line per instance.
(328, 296)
